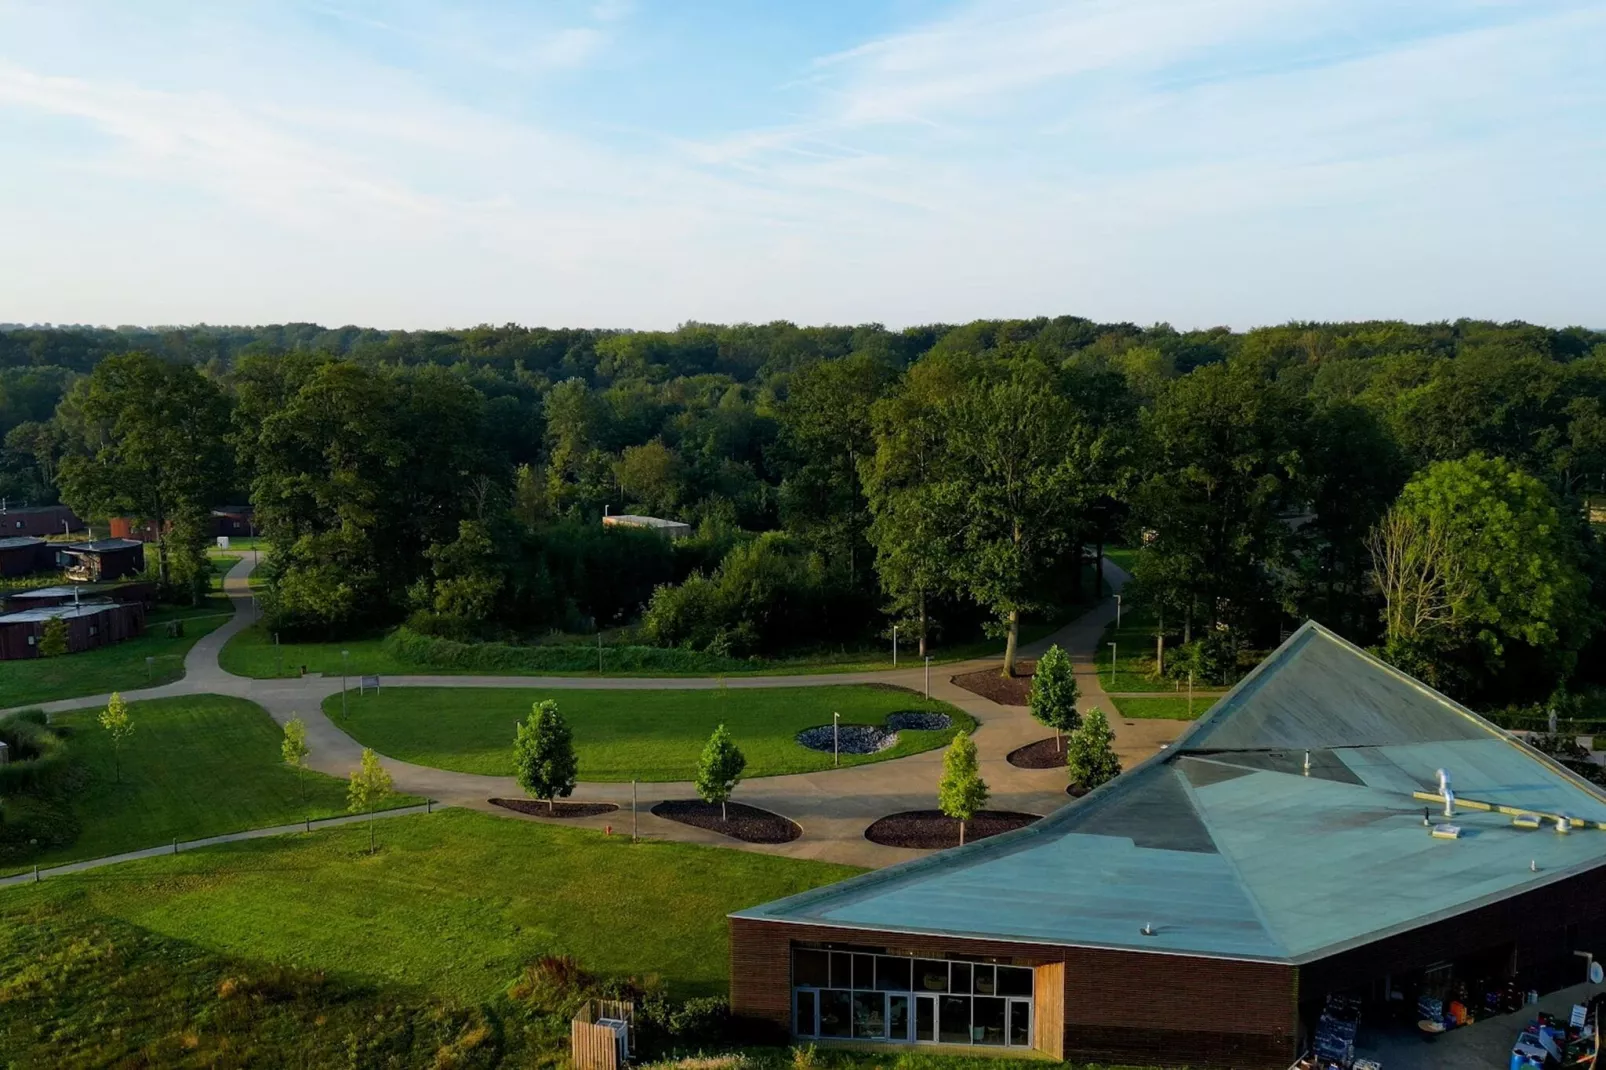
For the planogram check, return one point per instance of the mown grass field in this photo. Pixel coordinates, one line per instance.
(1175, 709)
(628, 735)
(120, 667)
(306, 951)
(197, 766)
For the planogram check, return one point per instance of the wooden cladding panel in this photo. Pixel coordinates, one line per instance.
(1048, 1009)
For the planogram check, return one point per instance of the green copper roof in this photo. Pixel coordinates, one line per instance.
(1224, 846)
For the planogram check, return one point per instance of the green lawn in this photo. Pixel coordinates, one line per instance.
(120, 667)
(1170, 708)
(305, 951)
(627, 735)
(194, 767)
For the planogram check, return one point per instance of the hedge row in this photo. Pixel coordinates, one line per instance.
(435, 652)
(39, 758)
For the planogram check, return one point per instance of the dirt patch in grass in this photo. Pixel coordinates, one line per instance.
(1005, 690)
(930, 830)
(559, 808)
(739, 821)
(1044, 754)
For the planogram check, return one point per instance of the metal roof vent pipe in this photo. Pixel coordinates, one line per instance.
(1148, 929)
(1563, 823)
(1449, 796)
(1307, 763)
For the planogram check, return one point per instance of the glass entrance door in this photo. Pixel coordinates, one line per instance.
(925, 1019)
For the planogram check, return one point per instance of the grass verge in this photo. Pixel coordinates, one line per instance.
(1175, 709)
(628, 735)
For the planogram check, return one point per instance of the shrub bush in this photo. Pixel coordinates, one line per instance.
(40, 761)
(437, 652)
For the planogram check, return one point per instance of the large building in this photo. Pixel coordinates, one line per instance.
(1201, 908)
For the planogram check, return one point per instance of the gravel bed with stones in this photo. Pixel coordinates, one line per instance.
(930, 830)
(1044, 754)
(870, 738)
(559, 808)
(740, 821)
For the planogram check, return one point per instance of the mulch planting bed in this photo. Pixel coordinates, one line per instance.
(931, 830)
(1044, 754)
(747, 823)
(559, 808)
(1006, 690)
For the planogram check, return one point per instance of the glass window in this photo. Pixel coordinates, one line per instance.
(1014, 981)
(898, 1017)
(805, 1014)
(811, 969)
(892, 975)
(1020, 1023)
(836, 1014)
(841, 969)
(869, 1016)
(926, 1018)
(864, 972)
(961, 977)
(987, 1020)
(931, 975)
(984, 980)
(954, 1020)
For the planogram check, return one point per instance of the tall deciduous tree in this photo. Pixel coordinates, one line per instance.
(1054, 693)
(961, 793)
(719, 770)
(543, 755)
(149, 441)
(1017, 477)
(1483, 575)
(53, 643)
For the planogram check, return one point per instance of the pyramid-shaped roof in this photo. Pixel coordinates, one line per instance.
(1225, 846)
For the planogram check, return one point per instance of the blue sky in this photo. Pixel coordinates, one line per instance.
(640, 163)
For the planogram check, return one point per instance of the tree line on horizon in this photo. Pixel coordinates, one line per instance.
(1419, 488)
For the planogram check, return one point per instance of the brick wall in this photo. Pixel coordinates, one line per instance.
(1126, 1006)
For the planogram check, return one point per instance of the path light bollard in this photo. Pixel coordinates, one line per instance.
(1112, 666)
(928, 677)
(894, 646)
(150, 669)
(175, 845)
(836, 739)
(635, 823)
(1118, 612)
(429, 805)
(36, 872)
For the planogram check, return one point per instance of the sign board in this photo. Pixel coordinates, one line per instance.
(222, 542)
(365, 682)
(1580, 1011)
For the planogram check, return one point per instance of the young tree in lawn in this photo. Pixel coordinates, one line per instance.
(370, 785)
(120, 726)
(543, 755)
(1091, 760)
(1054, 694)
(294, 749)
(53, 643)
(719, 770)
(961, 793)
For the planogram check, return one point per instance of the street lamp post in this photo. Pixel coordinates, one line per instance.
(1117, 612)
(344, 654)
(836, 739)
(1112, 665)
(928, 677)
(894, 646)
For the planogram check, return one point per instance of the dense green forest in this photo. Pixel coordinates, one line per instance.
(1419, 488)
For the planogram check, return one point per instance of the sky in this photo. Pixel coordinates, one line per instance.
(643, 163)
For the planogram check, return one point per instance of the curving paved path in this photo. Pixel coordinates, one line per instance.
(832, 806)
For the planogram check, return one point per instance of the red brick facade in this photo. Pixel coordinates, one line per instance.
(1125, 1006)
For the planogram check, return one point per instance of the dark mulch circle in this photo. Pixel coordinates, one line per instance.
(1006, 690)
(746, 823)
(1076, 791)
(559, 808)
(1044, 754)
(930, 830)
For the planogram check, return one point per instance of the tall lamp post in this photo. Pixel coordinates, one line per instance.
(344, 654)
(928, 677)
(836, 739)
(894, 646)
(1117, 612)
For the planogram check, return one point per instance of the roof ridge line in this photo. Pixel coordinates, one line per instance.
(1237, 874)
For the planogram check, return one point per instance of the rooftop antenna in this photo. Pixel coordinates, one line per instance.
(1449, 796)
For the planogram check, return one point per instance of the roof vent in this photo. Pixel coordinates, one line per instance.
(1563, 823)
(1148, 929)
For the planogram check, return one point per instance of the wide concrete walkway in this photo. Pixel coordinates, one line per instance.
(833, 806)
